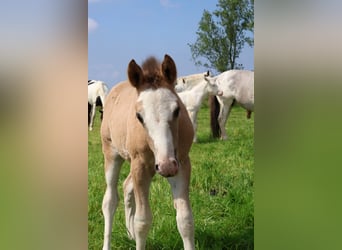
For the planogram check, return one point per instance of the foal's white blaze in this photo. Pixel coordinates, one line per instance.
(158, 108)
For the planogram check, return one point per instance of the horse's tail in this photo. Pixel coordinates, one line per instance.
(89, 110)
(104, 93)
(214, 113)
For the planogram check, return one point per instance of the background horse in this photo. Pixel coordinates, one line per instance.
(98, 104)
(96, 89)
(188, 82)
(237, 87)
(192, 90)
(146, 123)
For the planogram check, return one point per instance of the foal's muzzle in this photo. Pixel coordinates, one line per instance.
(168, 167)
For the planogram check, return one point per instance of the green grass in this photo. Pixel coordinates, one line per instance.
(221, 192)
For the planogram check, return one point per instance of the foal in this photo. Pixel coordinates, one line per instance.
(146, 124)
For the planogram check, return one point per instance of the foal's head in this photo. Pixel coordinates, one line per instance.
(211, 86)
(157, 110)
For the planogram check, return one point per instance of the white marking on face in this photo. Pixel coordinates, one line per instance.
(158, 108)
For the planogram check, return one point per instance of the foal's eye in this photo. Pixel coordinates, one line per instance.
(141, 120)
(176, 112)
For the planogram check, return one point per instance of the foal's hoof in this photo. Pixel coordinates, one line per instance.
(90, 129)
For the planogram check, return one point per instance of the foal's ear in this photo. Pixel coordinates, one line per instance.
(135, 74)
(169, 70)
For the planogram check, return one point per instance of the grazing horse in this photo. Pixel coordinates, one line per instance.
(145, 123)
(194, 90)
(96, 89)
(237, 87)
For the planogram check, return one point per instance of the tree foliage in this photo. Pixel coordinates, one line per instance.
(221, 35)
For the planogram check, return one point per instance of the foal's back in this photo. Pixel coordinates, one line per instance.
(118, 108)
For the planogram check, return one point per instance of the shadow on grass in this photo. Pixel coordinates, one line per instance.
(205, 240)
(206, 139)
(212, 240)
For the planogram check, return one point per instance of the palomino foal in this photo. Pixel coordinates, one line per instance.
(146, 124)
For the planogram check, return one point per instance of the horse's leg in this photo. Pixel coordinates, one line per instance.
(193, 118)
(113, 164)
(141, 177)
(225, 108)
(249, 114)
(93, 110)
(180, 190)
(129, 205)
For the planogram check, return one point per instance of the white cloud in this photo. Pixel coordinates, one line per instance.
(92, 25)
(168, 4)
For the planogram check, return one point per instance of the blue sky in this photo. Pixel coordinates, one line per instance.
(121, 30)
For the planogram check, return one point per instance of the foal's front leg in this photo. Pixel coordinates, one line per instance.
(180, 190)
(111, 198)
(129, 205)
(141, 176)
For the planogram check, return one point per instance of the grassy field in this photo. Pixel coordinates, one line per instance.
(221, 192)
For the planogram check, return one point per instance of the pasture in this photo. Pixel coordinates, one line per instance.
(221, 191)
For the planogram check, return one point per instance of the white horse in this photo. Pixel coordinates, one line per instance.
(188, 82)
(95, 89)
(237, 87)
(192, 90)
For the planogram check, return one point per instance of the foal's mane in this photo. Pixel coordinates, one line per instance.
(152, 73)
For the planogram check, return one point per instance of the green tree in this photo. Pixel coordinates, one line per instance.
(221, 35)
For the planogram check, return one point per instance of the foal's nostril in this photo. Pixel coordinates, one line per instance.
(174, 162)
(157, 167)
